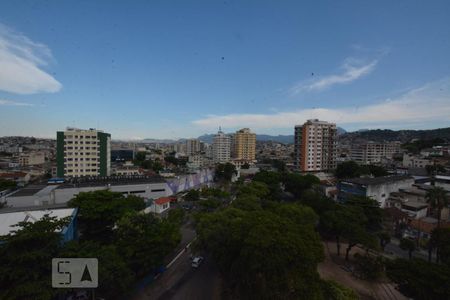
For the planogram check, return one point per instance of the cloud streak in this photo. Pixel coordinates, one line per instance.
(353, 69)
(429, 103)
(21, 62)
(14, 103)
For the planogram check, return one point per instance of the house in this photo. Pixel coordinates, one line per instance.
(21, 178)
(11, 217)
(378, 188)
(159, 205)
(422, 228)
(394, 220)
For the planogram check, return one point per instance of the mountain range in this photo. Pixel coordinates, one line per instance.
(376, 135)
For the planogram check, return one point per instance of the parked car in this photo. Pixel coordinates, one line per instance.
(196, 261)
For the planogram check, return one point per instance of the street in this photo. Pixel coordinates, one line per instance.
(180, 280)
(393, 248)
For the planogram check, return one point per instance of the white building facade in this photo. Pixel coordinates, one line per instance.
(221, 147)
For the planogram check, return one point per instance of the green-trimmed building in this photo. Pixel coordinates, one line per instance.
(81, 152)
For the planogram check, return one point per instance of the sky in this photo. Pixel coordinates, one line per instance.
(180, 69)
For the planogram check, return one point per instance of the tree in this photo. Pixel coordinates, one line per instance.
(225, 172)
(408, 245)
(100, 210)
(418, 279)
(139, 157)
(192, 195)
(377, 171)
(371, 209)
(297, 184)
(434, 169)
(440, 239)
(157, 166)
(245, 166)
(208, 192)
(171, 159)
(25, 259)
(6, 184)
(438, 200)
(349, 223)
(176, 216)
(115, 277)
(384, 238)
(317, 201)
(272, 180)
(209, 204)
(144, 240)
(351, 169)
(265, 254)
(348, 169)
(369, 267)
(335, 291)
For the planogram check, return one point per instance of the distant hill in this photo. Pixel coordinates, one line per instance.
(380, 135)
(285, 139)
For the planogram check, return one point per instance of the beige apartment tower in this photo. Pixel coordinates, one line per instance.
(244, 145)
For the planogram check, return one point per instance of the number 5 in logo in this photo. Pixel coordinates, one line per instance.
(67, 273)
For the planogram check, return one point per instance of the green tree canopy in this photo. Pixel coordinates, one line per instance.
(350, 169)
(25, 259)
(7, 184)
(297, 184)
(419, 279)
(100, 210)
(408, 245)
(143, 240)
(192, 195)
(265, 254)
(224, 172)
(115, 277)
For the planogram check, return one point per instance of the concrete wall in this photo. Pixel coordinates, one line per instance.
(381, 192)
(151, 190)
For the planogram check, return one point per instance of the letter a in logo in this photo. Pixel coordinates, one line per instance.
(86, 275)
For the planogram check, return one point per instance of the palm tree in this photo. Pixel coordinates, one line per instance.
(437, 198)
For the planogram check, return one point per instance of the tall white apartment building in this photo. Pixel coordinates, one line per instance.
(315, 146)
(81, 152)
(221, 147)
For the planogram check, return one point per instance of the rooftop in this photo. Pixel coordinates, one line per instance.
(111, 180)
(377, 180)
(9, 219)
(163, 200)
(29, 190)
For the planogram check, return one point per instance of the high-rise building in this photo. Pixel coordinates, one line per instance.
(244, 145)
(192, 147)
(221, 147)
(81, 152)
(315, 146)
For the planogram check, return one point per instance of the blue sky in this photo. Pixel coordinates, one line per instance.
(170, 69)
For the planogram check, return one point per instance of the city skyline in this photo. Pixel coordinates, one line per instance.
(150, 71)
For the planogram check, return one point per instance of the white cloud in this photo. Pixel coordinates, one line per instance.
(427, 104)
(352, 70)
(21, 60)
(14, 103)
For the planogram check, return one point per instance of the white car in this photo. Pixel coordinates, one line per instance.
(196, 261)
